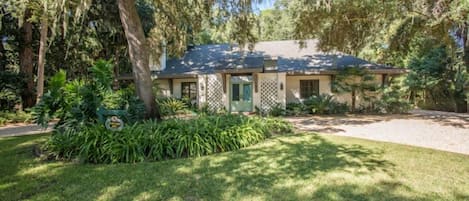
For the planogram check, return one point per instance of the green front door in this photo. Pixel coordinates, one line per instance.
(241, 95)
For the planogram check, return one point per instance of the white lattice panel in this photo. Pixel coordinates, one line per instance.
(214, 93)
(269, 94)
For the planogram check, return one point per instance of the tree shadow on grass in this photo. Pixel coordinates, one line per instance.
(384, 190)
(283, 168)
(256, 171)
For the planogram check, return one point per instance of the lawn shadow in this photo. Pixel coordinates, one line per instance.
(384, 190)
(14, 148)
(272, 170)
(256, 171)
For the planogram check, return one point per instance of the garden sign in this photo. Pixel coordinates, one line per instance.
(112, 119)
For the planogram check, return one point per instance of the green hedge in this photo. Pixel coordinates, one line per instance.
(173, 138)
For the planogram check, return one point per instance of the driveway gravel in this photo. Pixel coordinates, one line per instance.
(23, 129)
(437, 130)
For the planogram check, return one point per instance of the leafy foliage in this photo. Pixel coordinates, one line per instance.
(437, 79)
(389, 29)
(277, 110)
(11, 85)
(275, 24)
(357, 81)
(173, 138)
(324, 104)
(321, 104)
(296, 109)
(14, 117)
(75, 103)
(172, 106)
(393, 100)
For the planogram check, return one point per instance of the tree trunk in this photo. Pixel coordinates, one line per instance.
(2, 57)
(461, 100)
(138, 55)
(354, 97)
(42, 58)
(26, 61)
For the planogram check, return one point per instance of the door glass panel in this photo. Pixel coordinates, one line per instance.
(247, 93)
(235, 92)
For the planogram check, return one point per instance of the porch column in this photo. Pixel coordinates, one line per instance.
(282, 89)
(201, 90)
(226, 89)
(170, 83)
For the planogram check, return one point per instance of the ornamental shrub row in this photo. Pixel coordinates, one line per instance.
(169, 139)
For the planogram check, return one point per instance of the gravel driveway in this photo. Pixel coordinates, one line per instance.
(23, 129)
(438, 130)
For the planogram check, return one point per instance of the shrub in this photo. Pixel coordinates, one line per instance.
(324, 104)
(172, 138)
(76, 102)
(392, 101)
(277, 111)
(370, 107)
(172, 106)
(11, 85)
(296, 109)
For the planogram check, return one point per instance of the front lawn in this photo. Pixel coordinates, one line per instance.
(293, 167)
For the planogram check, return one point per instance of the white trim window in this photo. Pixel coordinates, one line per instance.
(309, 88)
(189, 90)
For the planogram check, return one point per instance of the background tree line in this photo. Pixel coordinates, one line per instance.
(41, 37)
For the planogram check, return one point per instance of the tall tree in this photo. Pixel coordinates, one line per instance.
(26, 61)
(275, 23)
(42, 52)
(48, 13)
(139, 55)
(351, 25)
(177, 21)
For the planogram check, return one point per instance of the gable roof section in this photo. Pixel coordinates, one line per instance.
(292, 59)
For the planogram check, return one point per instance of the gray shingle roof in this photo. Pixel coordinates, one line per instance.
(290, 58)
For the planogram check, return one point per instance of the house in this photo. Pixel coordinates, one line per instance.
(275, 73)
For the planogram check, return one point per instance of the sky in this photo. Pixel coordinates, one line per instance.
(266, 4)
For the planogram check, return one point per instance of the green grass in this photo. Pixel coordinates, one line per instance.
(293, 167)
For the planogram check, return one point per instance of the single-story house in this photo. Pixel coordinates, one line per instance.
(222, 76)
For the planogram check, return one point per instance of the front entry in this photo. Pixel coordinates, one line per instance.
(241, 94)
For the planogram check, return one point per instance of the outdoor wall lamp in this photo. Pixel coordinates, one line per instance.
(201, 87)
(281, 85)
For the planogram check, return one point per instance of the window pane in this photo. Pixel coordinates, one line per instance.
(189, 90)
(315, 87)
(235, 92)
(309, 88)
(193, 91)
(247, 92)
